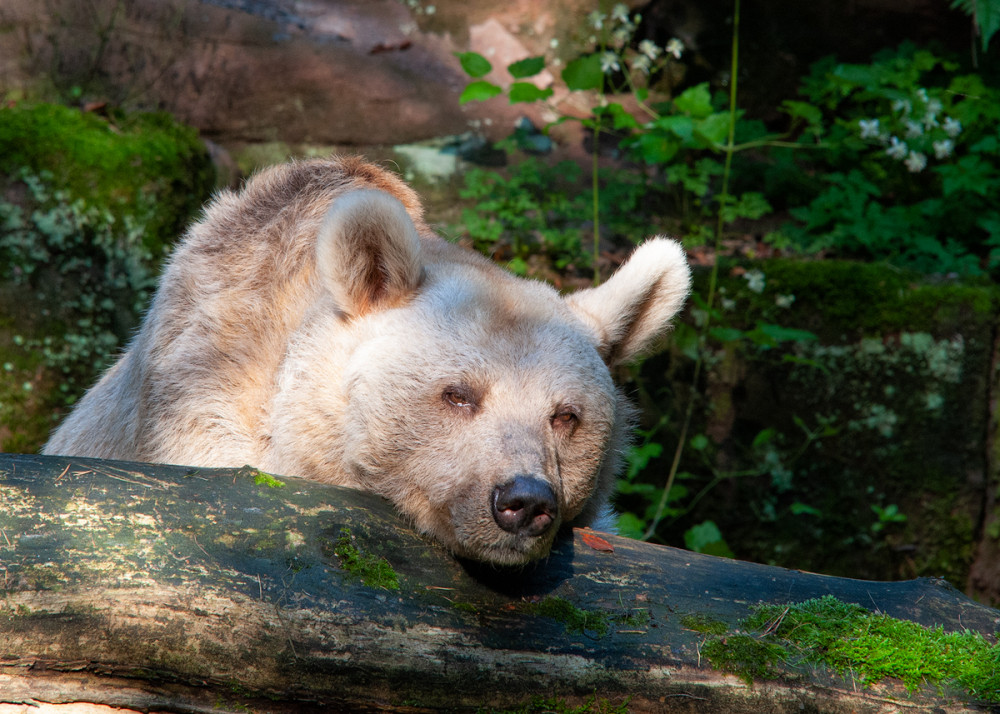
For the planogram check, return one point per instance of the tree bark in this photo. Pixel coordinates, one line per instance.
(165, 588)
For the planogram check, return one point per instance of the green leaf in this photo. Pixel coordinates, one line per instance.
(712, 130)
(656, 148)
(526, 68)
(479, 92)
(584, 73)
(680, 126)
(707, 538)
(696, 101)
(767, 335)
(801, 509)
(527, 92)
(620, 118)
(810, 113)
(726, 334)
(631, 526)
(474, 64)
(985, 14)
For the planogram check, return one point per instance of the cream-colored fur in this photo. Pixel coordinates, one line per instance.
(313, 325)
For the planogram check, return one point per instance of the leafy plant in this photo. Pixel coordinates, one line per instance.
(94, 205)
(912, 166)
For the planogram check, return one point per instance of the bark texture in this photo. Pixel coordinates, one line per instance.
(165, 588)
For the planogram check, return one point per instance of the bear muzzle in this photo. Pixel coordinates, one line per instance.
(525, 506)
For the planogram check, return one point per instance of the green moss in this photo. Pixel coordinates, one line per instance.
(705, 625)
(578, 620)
(873, 646)
(262, 478)
(125, 163)
(746, 656)
(850, 639)
(573, 618)
(373, 570)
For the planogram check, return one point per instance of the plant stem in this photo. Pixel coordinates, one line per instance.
(730, 149)
(597, 203)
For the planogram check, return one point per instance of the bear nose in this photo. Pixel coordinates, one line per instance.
(525, 505)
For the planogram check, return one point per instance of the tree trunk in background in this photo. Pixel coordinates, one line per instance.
(165, 588)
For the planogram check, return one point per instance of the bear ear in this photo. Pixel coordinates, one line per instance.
(368, 252)
(634, 307)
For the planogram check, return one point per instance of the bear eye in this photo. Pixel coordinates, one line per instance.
(459, 397)
(565, 418)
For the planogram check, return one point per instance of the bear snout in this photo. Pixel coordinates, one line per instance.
(525, 505)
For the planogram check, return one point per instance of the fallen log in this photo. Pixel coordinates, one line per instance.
(166, 588)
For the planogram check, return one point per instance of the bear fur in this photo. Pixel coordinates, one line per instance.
(311, 324)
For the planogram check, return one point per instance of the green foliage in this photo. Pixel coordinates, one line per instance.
(912, 165)
(94, 206)
(985, 15)
(529, 212)
(144, 165)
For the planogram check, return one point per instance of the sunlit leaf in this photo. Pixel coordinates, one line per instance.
(479, 92)
(527, 92)
(526, 68)
(584, 73)
(474, 64)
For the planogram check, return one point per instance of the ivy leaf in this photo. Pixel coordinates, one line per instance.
(474, 64)
(527, 92)
(479, 92)
(526, 68)
(584, 73)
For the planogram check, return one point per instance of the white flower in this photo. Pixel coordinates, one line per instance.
(675, 47)
(930, 120)
(913, 129)
(649, 48)
(641, 64)
(621, 35)
(431, 9)
(596, 19)
(784, 300)
(934, 107)
(943, 148)
(915, 162)
(897, 149)
(609, 62)
(755, 280)
(554, 42)
(869, 128)
(952, 127)
(619, 12)
(901, 106)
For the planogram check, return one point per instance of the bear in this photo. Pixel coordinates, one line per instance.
(311, 324)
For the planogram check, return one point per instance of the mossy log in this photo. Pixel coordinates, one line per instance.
(165, 588)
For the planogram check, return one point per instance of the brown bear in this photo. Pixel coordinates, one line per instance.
(311, 324)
